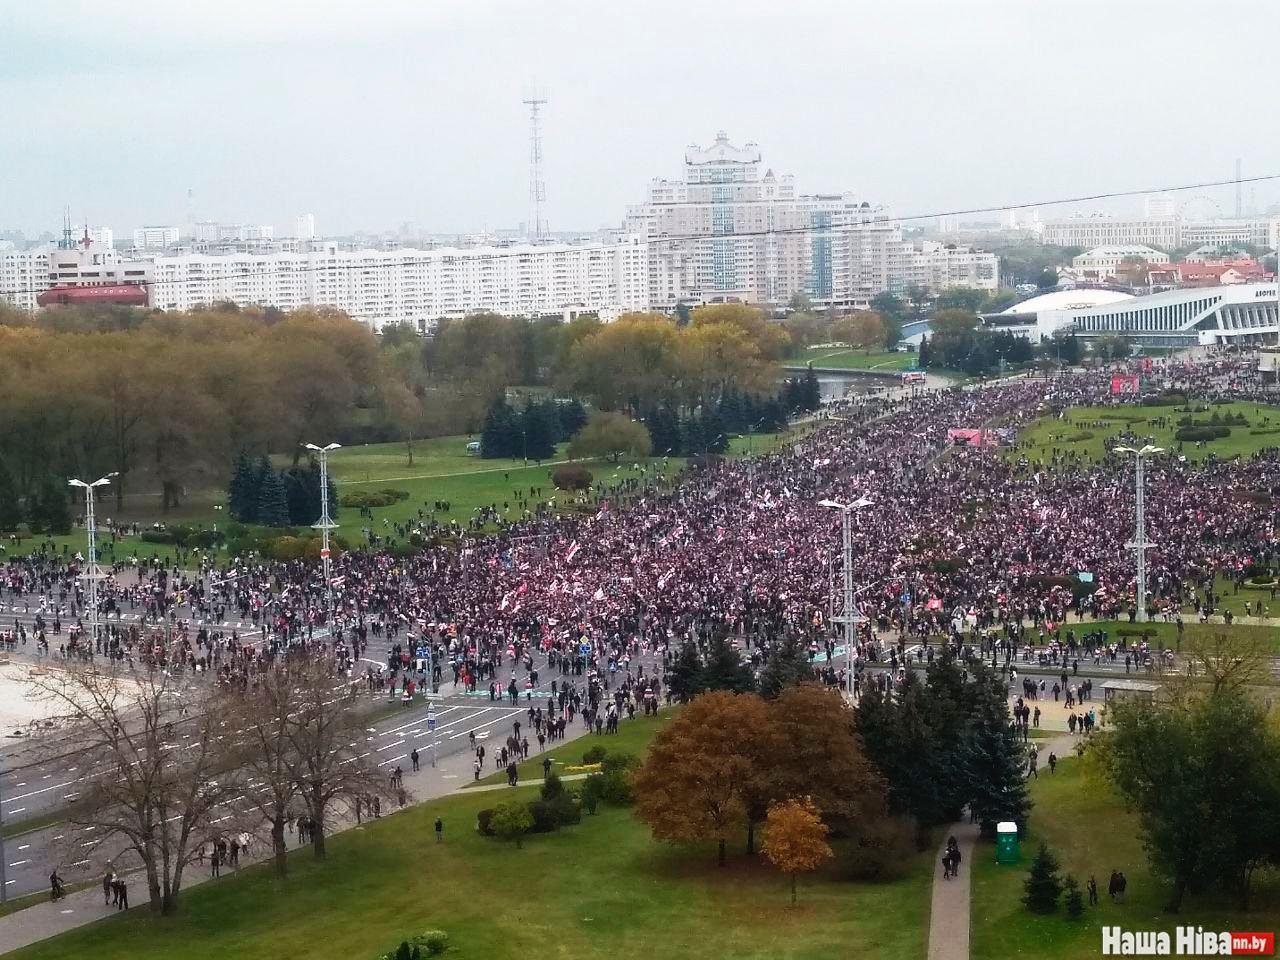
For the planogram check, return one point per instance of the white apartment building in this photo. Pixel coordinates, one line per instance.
(870, 256)
(154, 238)
(1100, 263)
(416, 286)
(24, 275)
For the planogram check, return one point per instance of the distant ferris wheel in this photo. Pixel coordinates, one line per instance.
(1200, 207)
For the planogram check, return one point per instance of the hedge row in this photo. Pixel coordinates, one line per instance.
(384, 497)
(1201, 433)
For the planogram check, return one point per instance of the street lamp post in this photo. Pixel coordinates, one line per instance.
(1140, 545)
(325, 523)
(848, 615)
(91, 572)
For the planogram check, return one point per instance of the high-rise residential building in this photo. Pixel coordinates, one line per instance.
(24, 275)
(731, 229)
(304, 226)
(154, 238)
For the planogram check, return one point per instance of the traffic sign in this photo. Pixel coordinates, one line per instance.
(431, 720)
(324, 554)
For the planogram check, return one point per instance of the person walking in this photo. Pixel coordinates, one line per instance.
(123, 889)
(1092, 887)
(107, 879)
(439, 830)
(413, 757)
(1053, 761)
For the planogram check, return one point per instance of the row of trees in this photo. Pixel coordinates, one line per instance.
(940, 743)
(530, 433)
(714, 771)
(165, 400)
(297, 753)
(258, 493)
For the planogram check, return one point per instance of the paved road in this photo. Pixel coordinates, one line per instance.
(35, 789)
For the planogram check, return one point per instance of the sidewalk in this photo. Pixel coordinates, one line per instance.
(45, 919)
(949, 913)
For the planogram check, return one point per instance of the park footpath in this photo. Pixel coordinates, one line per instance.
(950, 908)
(45, 919)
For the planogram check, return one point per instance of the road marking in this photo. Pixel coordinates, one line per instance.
(19, 863)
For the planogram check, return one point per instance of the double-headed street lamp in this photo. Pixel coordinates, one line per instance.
(1140, 545)
(848, 614)
(325, 523)
(91, 572)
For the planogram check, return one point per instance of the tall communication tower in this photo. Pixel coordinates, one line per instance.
(535, 101)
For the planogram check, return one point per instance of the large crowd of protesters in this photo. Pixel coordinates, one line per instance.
(954, 539)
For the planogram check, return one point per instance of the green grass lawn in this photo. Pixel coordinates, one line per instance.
(441, 470)
(601, 889)
(1166, 634)
(1088, 432)
(1086, 825)
(845, 359)
(633, 737)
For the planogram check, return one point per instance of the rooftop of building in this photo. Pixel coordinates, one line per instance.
(1068, 300)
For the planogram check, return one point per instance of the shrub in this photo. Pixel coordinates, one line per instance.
(592, 792)
(883, 850)
(615, 769)
(284, 548)
(1264, 431)
(595, 755)
(552, 787)
(157, 536)
(484, 823)
(572, 476)
(1197, 434)
(383, 497)
(433, 942)
(511, 821)
(549, 815)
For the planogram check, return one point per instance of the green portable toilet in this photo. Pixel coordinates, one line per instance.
(1007, 848)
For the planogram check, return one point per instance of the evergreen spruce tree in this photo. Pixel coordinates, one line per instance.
(1073, 901)
(1043, 886)
(571, 417)
(500, 436)
(899, 739)
(10, 506)
(298, 496)
(787, 665)
(664, 431)
(995, 760)
(242, 492)
(685, 672)
(924, 357)
(724, 669)
(52, 513)
(692, 437)
(539, 425)
(273, 502)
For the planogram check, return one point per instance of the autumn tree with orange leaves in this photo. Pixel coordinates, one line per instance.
(696, 780)
(795, 839)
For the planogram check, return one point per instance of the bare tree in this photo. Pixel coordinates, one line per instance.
(155, 790)
(327, 757)
(261, 719)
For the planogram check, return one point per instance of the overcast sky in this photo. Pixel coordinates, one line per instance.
(378, 112)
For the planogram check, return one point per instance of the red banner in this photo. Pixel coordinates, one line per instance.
(1123, 383)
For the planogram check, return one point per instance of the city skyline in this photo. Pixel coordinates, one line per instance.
(863, 109)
